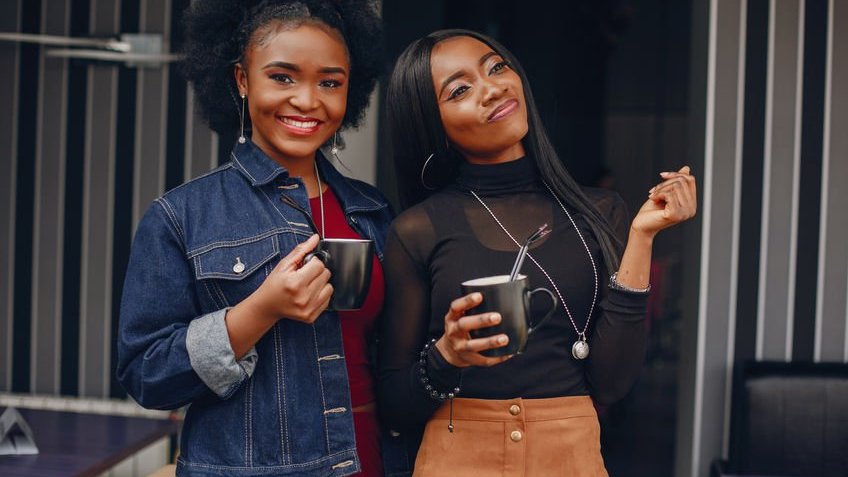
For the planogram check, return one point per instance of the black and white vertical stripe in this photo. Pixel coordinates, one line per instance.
(85, 147)
(774, 239)
(831, 337)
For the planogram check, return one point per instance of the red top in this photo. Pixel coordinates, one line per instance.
(357, 325)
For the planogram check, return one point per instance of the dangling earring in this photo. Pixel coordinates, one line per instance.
(241, 138)
(335, 149)
(423, 168)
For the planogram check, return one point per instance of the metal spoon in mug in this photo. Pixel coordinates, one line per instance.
(522, 251)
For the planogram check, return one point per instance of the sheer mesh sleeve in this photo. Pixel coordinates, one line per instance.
(405, 323)
(619, 341)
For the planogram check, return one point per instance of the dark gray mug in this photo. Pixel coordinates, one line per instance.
(349, 261)
(512, 300)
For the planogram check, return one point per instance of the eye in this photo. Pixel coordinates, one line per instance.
(458, 91)
(500, 66)
(330, 83)
(281, 78)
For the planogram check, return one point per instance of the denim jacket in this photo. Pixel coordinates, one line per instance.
(282, 409)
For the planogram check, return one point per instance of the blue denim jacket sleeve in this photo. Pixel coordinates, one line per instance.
(169, 352)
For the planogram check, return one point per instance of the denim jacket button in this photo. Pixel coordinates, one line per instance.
(238, 267)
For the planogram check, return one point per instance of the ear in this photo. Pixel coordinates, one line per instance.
(241, 78)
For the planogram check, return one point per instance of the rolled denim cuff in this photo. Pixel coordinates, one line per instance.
(212, 357)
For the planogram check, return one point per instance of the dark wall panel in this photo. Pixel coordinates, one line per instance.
(815, 56)
(27, 121)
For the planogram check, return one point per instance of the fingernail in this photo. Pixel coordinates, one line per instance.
(664, 174)
(502, 339)
(477, 296)
(494, 317)
(652, 190)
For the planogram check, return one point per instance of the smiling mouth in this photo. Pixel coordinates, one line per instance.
(508, 107)
(300, 125)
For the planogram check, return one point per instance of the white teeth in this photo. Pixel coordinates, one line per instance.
(300, 124)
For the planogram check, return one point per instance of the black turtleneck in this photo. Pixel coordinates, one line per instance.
(450, 238)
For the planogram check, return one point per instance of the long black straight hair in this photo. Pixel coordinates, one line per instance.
(417, 134)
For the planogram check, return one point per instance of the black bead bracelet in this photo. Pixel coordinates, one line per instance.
(431, 390)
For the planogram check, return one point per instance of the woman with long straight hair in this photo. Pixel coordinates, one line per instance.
(480, 175)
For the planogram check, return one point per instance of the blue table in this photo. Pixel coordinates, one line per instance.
(81, 445)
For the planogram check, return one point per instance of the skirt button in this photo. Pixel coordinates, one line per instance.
(515, 436)
(514, 409)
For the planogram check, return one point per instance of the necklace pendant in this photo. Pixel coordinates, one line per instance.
(580, 349)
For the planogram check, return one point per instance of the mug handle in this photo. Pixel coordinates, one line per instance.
(322, 255)
(532, 327)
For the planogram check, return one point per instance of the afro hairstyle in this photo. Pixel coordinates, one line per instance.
(218, 32)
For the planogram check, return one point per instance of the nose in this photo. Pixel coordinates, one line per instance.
(304, 98)
(492, 90)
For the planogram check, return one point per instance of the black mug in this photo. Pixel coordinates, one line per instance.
(512, 300)
(349, 261)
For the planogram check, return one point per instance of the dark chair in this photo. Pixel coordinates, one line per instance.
(788, 419)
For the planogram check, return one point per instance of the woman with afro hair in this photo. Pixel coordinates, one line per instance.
(220, 311)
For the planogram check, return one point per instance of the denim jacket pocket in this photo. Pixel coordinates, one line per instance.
(230, 271)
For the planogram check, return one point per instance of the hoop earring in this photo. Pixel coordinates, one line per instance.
(423, 168)
(241, 138)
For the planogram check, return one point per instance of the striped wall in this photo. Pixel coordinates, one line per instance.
(88, 145)
(769, 109)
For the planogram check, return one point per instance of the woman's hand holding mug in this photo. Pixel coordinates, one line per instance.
(456, 344)
(295, 290)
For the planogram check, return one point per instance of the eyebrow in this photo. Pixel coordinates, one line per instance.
(461, 73)
(295, 68)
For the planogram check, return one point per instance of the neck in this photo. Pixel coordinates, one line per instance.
(515, 176)
(516, 151)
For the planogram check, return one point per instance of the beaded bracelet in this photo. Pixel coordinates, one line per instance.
(425, 380)
(431, 390)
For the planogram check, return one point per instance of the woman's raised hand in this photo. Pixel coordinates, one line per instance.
(670, 202)
(457, 346)
(295, 290)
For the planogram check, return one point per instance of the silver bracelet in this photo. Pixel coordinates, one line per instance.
(614, 285)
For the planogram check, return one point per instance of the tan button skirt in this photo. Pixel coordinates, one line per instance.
(512, 438)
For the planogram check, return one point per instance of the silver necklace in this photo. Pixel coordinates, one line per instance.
(580, 348)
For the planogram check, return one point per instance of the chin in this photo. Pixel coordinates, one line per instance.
(514, 135)
(297, 149)
(516, 126)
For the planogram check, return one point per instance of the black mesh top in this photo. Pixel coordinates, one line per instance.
(450, 238)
